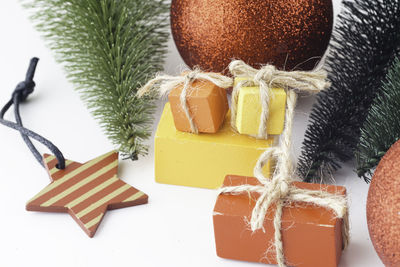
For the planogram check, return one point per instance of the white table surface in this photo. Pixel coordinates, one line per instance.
(174, 229)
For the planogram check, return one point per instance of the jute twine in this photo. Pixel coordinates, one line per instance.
(164, 84)
(279, 189)
(267, 78)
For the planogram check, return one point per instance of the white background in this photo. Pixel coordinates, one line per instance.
(174, 229)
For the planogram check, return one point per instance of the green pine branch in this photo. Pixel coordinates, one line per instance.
(109, 48)
(382, 126)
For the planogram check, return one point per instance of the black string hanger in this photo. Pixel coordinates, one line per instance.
(20, 94)
(84, 190)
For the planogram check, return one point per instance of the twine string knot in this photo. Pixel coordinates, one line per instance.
(164, 84)
(265, 75)
(279, 190)
(267, 78)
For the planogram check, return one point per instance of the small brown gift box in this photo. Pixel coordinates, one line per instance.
(311, 235)
(207, 104)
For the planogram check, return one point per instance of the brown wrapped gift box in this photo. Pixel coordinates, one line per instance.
(207, 103)
(312, 235)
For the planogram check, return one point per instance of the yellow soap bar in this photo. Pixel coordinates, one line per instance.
(249, 110)
(203, 160)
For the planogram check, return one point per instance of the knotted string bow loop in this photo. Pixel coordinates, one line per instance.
(162, 85)
(279, 190)
(20, 94)
(267, 78)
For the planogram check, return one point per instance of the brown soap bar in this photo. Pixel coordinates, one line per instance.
(207, 103)
(311, 235)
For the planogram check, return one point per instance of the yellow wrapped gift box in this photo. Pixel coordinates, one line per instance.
(249, 110)
(203, 160)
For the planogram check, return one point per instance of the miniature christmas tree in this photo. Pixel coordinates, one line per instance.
(109, 48)
(382, 126)
(365, 42)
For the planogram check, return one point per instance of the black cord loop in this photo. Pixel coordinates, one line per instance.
(20, 94)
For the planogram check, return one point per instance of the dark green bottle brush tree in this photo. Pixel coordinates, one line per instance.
(382, 126)
(365, 42)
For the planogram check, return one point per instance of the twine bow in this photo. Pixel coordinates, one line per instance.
(164, 84)
(269, 77)
(279, 190)
(266, 78)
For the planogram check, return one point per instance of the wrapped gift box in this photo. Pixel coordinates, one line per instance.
(249, 110)
(312, 235)
(207, 104)
(203, 160)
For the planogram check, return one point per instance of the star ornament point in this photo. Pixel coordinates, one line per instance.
(86, 191)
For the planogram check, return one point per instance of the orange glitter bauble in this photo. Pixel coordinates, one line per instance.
(383, 208)
(290, 34)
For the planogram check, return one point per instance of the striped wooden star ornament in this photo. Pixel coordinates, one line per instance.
(86, 191)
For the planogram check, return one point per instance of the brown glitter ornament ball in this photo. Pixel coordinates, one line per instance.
(290, 34)
(383, 208)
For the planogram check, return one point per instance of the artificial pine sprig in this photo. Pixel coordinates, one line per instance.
(365, 42)
(382, 126)
(109, 48)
